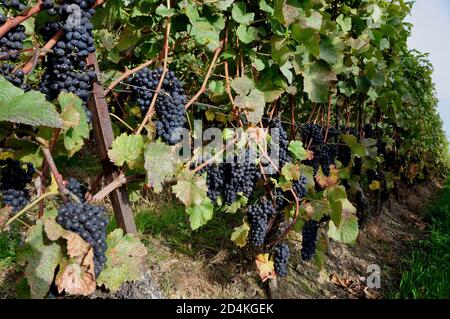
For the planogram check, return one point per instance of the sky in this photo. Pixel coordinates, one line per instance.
(431, 34)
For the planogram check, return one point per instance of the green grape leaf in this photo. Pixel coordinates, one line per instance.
(246, 34)
(240, 15)
(234, 207)
(264, 6)
(317, 81)
(297, 150)
(347, 232)
(242, 85)
(222, 5)
(75, 125)
(254, 103)
(355, 147)
(314, 21)
(344, 23)
(125, 260)
(163, 11)
(160, 164)
(29, 108)
(308, 37)
(199, 215)
(240, 234)
(42, 257)
(128, 149)
(190, 188)
(328, 51)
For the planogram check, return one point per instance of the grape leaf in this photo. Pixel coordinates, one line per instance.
(308, 37)
(77, 278)
(265, 267)
(347, 232)
(26, 108)
(128, 149)
(240, 234)
(242, 85)
(160, 164)
(291, 172)
(75, 125)
(125, 260)
(246, 34)
(355, 147)
(199, 215)
(42, 257)
(296, 149)
(240, 15)
(190, 188)
(317, 80)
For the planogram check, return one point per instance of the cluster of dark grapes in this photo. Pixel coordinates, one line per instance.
(14, 178)
(283, 198)
(214, 181)
(12, 42)
(66, 69)
(325, 155)
(17, 78)
(312, 133)
(88, 221)
(309, 239)
(230, 178)
(278, 133)
(10, 45)
(14, 4)
(281, 259)
(240, 177)
(169, 104)
(258, 216)
(77, 188)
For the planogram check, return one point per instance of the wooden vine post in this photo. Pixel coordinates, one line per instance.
(104, 138)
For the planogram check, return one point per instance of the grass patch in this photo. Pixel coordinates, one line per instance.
(170, 222)
(9, 241)
(426, 273)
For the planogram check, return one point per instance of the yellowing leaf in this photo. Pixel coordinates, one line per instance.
(160, 164)
(328, 181)
(125, 260)
(240, 234)
(77, 278)
(191, 188)
(128, 149)
(265, 267)
(374, 185)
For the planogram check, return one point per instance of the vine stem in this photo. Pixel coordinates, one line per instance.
(151, 108)
(127, 74)
(14, 22)
(119, 181)
(328, 119)
(208, 75)
(52, 144)
(29, 206)
(28, 68)
(54, 170)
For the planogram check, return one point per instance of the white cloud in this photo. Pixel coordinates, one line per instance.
(431, 34)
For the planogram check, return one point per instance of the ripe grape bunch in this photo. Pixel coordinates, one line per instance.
(66, 68)
(309, 240)
(281, 259)
(258, 216)
(325, 155)
(240, 176)
(169, 104)
(14, 178)
(280, 135)
(312, 133)
(77, 188)
(88, 221)
(299, 187)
